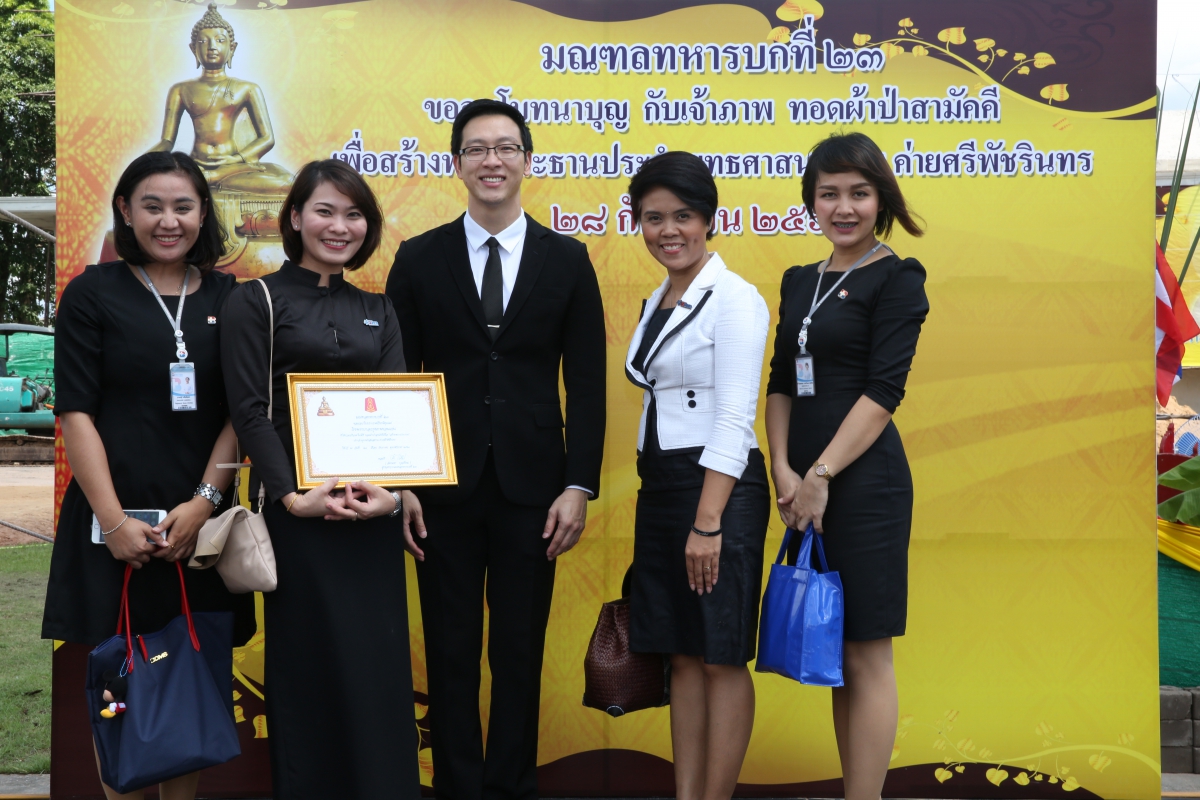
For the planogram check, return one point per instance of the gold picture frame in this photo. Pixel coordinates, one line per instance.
(392, 429)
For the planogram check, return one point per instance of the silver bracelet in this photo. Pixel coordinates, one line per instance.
(396, 497)
(114, 530)
(210, 493)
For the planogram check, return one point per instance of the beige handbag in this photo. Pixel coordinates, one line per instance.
(237, 542)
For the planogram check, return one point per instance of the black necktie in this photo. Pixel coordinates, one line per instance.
(492, 293)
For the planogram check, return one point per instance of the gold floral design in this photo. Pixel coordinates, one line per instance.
(907, 40)
(795, 10)
(1055, 91)
(962, 752)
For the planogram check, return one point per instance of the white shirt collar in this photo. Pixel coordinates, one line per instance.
(508, 238)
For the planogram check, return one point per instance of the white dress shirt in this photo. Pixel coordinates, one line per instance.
(512, 243)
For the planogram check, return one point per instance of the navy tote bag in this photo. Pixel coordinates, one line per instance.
(179, 699)
(800, 631)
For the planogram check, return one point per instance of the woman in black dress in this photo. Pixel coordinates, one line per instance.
(704, 502)
(130, 443)
(338, 677)
(830, 402)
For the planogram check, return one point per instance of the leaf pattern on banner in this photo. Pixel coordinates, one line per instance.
(952, 35)
(1055, 91)
(985, 45)
(961, 752)
(795, 10)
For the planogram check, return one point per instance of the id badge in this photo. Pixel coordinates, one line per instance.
(183, 386)
(805, 385)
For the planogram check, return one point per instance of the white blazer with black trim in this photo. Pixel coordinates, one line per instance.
(705, 367)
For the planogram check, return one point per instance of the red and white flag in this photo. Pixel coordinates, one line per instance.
(1173, 325)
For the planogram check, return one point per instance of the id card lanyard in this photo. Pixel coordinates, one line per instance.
(805, 380)
(182, 372)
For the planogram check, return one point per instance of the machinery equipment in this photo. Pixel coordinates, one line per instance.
(25, 401)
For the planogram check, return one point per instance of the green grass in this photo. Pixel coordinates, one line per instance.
(24, 660)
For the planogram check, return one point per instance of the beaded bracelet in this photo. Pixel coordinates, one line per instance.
(114, 530)
(699, 532)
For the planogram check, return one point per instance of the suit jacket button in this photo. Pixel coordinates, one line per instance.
(691, 403)
(495, 356)
(487, 401)
(691, 394)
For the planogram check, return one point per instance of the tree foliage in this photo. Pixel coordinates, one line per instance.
(27, 154)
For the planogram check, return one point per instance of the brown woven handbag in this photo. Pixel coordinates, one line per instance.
(616, 680)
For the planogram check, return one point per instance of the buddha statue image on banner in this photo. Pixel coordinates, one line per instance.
(247, 191)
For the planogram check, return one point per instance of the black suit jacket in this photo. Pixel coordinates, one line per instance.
(507, 391)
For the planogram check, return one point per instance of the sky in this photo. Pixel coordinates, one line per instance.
(1178, 30)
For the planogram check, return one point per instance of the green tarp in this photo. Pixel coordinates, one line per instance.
(30, 355)
(1178, 623)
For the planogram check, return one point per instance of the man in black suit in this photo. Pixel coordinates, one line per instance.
(497, 302)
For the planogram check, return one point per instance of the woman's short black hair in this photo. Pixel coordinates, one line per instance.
(210, 244)
(347, 181)
(481, 108)
(857, 152)
(682, 174)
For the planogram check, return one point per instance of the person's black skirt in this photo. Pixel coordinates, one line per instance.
(666, 616)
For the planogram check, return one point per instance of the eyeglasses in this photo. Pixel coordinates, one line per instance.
(505, 151)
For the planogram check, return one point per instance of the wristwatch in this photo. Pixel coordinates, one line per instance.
(822, 471)
(396, 497)
(210, 493)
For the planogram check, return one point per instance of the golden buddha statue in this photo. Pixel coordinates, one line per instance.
(215, 101)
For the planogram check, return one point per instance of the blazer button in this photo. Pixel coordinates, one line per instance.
(691, 394)
(332, 324)
(487, 401)
(495, 356)
(691, 403)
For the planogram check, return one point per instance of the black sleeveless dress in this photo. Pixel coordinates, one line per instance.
(862, 343)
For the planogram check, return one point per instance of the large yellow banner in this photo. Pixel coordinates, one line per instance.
(1023, 136)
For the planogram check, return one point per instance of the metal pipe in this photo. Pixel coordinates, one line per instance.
(41, 536)
(11, 216)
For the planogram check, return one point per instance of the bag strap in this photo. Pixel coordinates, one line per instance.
(262, 488)
(123, 625)
(787, 537)
(820, 547)
(805, 555)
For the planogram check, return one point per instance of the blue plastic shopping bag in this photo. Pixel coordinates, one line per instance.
(800, 630)
(178, 715)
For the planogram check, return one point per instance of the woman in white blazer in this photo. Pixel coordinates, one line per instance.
(704, 502)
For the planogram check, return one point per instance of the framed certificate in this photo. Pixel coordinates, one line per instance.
(391, 429)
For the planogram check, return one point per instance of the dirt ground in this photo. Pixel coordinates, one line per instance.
(26, 499)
